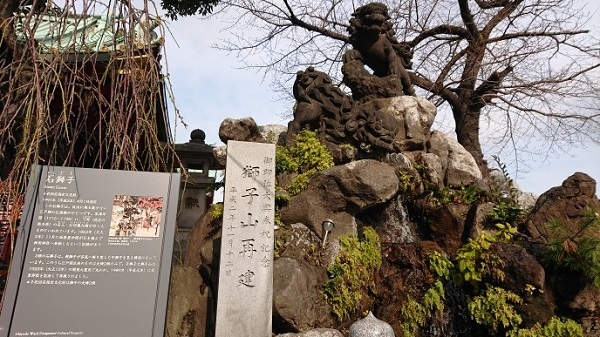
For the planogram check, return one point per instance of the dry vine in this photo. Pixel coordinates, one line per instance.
(66, 102)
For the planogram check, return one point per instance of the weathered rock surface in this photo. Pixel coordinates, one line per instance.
(414, 116)
(273, 133)
(574, 294)
(587, 301)
(522, 271)
(566, 203)
(520, 268)
(220, 153)
(187, 309)
(243, 129)
(433, 171)
(445, 225)
(298, 241)
(314, 333)
(477, 219)
(298, 301)
(341, 192)
(458, 165)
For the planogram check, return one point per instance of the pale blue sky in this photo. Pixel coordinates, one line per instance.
(209, 86)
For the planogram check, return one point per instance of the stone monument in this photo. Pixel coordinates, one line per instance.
(245, 291)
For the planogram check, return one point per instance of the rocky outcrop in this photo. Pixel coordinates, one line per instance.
(567, 203)
(273, 133)
(243, 129)
(188, 304)
(525, 276)
(445, 225)
(415, 116)
(339, 193)
(298, 303)
(458, 165)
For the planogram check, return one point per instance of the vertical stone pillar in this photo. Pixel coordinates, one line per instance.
(245, 292)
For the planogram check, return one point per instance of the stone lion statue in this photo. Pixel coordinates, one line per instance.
(375, 45)
(323, 107)
(320, 105)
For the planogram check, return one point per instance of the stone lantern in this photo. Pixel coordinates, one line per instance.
(198, 160)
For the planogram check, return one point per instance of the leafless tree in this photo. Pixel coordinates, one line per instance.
(524, 70)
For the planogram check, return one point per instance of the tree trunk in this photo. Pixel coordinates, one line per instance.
(467, 134)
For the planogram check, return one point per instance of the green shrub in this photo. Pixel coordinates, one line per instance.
(352, 272)
(306, 157)
(474, 260)
(495, 308)
(414, 316)
(406, 182)
(443, 196)
(556, 327)
(505, 212)
(440, 265)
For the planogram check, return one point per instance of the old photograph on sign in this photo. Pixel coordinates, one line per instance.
(136, 216)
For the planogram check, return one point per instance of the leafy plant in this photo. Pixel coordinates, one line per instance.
(506, 212)
(444, 196)
(352, 272)
(406, 181)
(469, 194)
(578, 249)
(474, 260)
(504, 188)
(495, 308)
(415, 314)
(505, 196)
(556, 327)
(306, 157)
(440, 265)
(216, 211)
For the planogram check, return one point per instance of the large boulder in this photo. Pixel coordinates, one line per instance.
(188, 304)
(298, 301)
(273, 133)
(567, 203)
(243, 129)
(458, 165)
(522, 271)
(414, 116)
(445, 225)
(339, 193)
(433, 171)
(297, 241)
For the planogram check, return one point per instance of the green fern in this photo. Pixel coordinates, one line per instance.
(556, 327)
(352, 272)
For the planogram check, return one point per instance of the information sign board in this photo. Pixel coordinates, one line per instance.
(93, 255)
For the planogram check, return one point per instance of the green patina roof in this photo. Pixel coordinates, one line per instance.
(57, 32)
